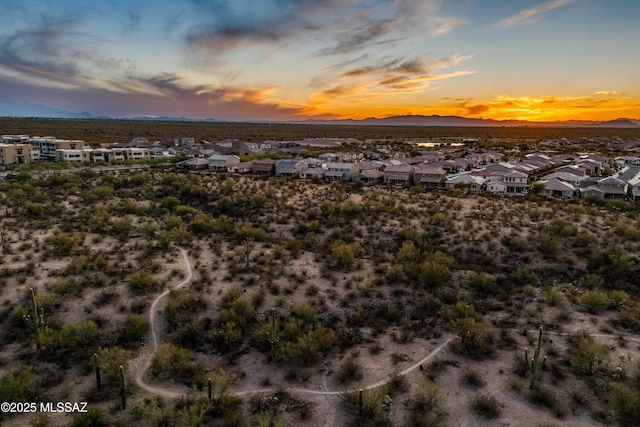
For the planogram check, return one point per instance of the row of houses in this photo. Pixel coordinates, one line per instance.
(623, 184)
(572, 175)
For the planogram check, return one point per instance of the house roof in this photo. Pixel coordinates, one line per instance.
(287, 162)
(611, 181)
(429, 170)
(628, 173)
(399, 169)
(265, 162)
(558, 185)
(371, 173)
(221, 157)
(465, 179)
(195, 161)
(315, 171)
(565, 176)
(340, 165)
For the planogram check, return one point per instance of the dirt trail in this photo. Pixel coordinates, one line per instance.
(141, 366)
(140, 371)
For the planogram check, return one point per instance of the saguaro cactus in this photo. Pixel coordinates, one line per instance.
(96, 365)
(248, 245)
(3, 243)
(123, 389)
(209, 388)
(535, 364)
(36, 320)
(273, 335)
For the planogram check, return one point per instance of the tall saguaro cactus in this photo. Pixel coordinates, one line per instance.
(273, 335)
(123, 389)
(36, 319)
(535, 364)
(97, 368)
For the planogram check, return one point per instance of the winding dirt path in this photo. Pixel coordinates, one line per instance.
(155, 341)
(179, 391)
(174, 391)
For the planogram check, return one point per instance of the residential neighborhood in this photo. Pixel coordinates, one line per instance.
(550, 172)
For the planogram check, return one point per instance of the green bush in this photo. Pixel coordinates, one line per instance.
(142, 282)
(595, 302)
(171, 361)
(486, 405)
(586, 355)
(344, 255)
(626, 403)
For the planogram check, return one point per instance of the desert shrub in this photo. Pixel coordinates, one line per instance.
(548, 244)
(516, 242)
(171, 361)
(350, 370)
(584, 239)
(483, 283)
(627, 230)
(626, 403)
(182, 306)
(110, 360)
(473, 378)
(595, 302)
(586, 355)
(435, 269)
(16, 387)
(544, 397)
(426, 407)
(591, 281)
(486, 405)
(132, 330)
(309, 347)
(92, 418)
(629, 317)
(142, 282)
(618, 299)
(65, 243)
(65, 287)
(553, 297)
(344, 255)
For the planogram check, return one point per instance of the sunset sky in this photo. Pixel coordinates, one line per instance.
(301, 59)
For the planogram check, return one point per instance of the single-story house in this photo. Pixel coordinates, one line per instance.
(242, 167)
(311, 172)
(196, 163)
(558, 188)
(465, 179)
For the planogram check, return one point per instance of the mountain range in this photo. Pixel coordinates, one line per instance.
(11, 109)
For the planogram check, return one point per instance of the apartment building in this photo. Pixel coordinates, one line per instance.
(16, 154)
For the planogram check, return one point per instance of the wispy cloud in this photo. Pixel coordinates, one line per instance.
(528, 16)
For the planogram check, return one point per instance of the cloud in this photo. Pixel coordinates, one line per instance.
(527, 16)
(131, 20)
(607, 93)
(365, 36)
(45, 51)
(225, 24)
(477, 109)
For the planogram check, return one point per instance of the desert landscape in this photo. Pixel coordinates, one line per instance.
(234, 300)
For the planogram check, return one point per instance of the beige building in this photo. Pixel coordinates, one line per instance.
(16, 154)
(102, 155)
